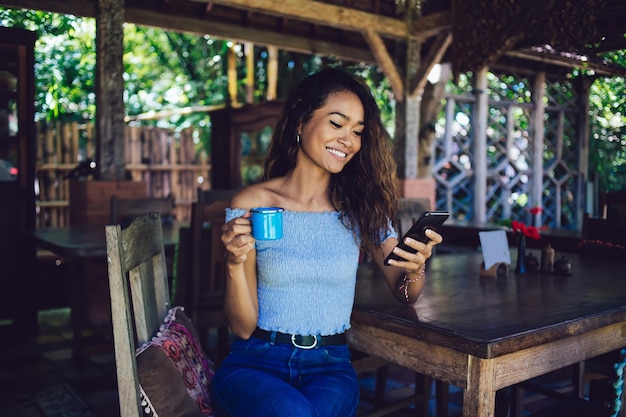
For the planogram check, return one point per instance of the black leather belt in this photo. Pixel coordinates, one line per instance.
(299, 341)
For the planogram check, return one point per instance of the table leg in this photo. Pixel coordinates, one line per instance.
(76, 271)
(479, 398)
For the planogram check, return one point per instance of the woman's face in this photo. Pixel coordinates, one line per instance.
(333, 135)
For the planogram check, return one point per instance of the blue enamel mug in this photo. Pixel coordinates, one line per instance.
(267, 223)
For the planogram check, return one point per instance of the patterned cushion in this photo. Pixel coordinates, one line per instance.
(174, 374)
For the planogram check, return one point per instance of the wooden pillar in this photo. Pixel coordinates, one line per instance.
(588, 200)
(480, 145)
(231, 62)
(248, 48)
(110, 89)
(539, 91)
(412, 133)
(272, 72)
(408, 122)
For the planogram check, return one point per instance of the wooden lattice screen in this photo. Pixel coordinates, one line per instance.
(513, 151)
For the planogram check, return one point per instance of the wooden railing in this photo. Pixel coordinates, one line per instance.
(165, 160)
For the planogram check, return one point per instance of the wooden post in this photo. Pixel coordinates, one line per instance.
(272, 72)
(480, 145)
(231, 62)
(537, 146)
(248, 48)
(588, 204)
(110, 90)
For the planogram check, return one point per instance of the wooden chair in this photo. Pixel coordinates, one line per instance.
(201, 272)
(613, 206)
(160, 364)
(209, 196)
(409, 211)
(606, 396)
(139, 298)
(598, 229)
(123, 209)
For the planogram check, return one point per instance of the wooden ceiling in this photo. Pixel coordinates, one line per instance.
(379, 30)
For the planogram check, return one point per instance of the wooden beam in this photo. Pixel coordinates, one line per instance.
(323, 14)
(576, 61)
(242, 34)
(436, 52)
(74, 7)
(385, 62)
(201, 25)
(425, 27)
(311, 11)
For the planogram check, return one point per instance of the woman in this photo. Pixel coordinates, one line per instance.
(330, 167)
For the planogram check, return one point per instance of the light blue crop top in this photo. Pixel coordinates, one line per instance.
(306, 280)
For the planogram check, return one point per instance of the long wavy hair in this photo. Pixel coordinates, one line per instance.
(366, 191)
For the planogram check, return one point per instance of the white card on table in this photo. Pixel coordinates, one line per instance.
(495, 247)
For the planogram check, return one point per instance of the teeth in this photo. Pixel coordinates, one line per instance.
(336, 152)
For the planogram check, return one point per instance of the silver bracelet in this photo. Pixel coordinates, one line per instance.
(406, 281)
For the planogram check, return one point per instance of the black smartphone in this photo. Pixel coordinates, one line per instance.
(428, 220)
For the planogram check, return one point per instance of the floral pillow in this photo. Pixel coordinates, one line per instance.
(174, 374)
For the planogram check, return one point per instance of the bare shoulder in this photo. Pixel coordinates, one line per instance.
(255, 195)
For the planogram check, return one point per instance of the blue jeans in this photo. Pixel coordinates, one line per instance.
(262, 380)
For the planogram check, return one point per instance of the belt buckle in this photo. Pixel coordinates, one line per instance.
(293, 342)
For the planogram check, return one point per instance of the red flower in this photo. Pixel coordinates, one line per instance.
(530, 231)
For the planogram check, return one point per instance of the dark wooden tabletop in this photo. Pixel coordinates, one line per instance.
(489, 317)
(465, 233)
(89, 241)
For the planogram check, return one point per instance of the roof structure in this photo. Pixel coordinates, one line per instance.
(550, 35)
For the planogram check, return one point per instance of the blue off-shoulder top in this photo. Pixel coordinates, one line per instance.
(306, 280)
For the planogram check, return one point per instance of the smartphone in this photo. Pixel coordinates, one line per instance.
(428, 220)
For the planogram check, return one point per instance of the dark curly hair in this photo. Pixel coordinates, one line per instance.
(366, 191)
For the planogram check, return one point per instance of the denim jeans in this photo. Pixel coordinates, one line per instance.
(259, 379)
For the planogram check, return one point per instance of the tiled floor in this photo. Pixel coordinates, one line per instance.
(33, 366)
(38, 373)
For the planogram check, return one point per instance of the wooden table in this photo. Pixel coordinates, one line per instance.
(483, 334)
(89, 241)
(77, 244)
(465, 233)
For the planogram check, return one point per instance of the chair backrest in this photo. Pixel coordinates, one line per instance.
(139, 297)
(209, 196)
(409, 212)
(208, 265)
(122, 209)
(603, 230)
(613, 206)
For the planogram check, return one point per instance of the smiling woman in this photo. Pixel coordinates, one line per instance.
(329, 166)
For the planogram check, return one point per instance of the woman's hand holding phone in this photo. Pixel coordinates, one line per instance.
(428, 220)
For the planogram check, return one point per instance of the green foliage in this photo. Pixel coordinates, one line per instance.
(169, 71)
(607, 117)
(64, 62)
(166, 70)
(381, 90)
(607, 151)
